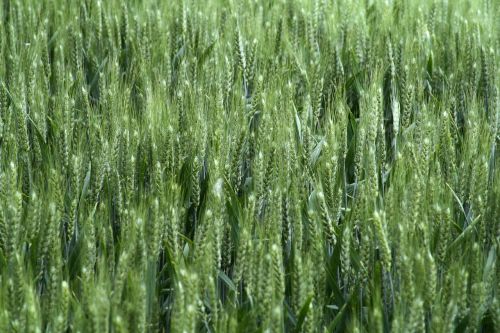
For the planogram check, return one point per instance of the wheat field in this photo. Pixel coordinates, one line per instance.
(249, 166)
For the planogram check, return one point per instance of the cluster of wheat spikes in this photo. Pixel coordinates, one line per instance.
(249, 166)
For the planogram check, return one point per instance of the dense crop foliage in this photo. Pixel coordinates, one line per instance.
(249, 166)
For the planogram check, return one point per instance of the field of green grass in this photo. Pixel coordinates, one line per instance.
(249, 166)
